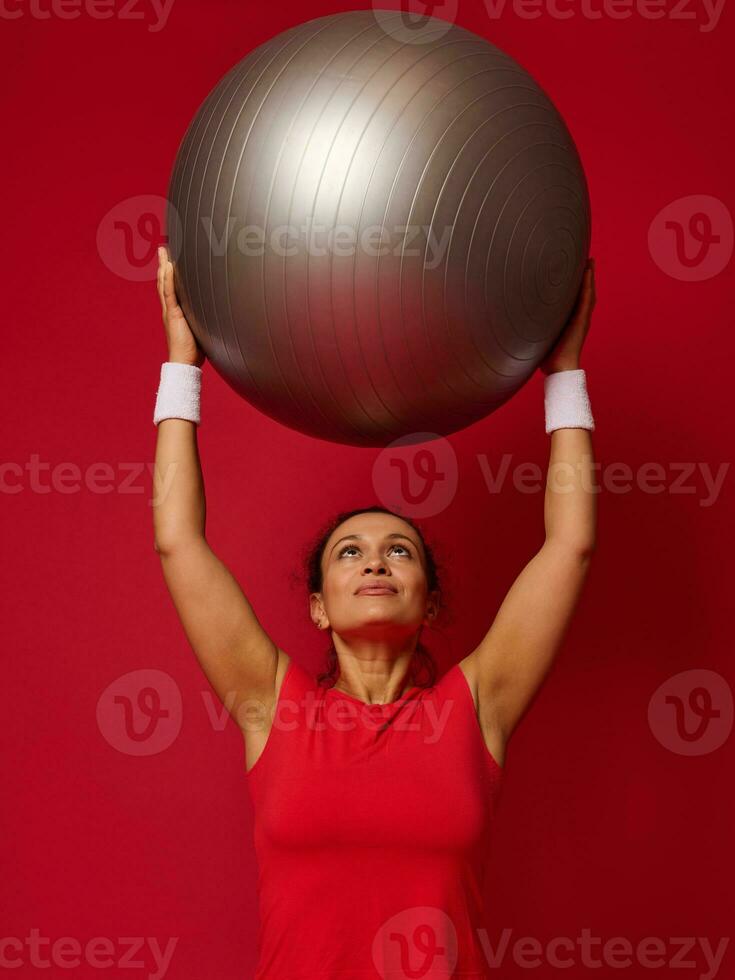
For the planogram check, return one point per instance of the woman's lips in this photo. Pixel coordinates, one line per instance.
(381, 590)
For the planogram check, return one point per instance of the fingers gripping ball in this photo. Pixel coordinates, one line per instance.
(380, 235)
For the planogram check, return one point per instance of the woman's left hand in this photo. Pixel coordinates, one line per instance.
(565, 354)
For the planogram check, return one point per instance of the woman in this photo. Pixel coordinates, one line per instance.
(373, 794)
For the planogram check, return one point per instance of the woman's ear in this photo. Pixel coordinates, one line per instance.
(432, 607)
(316, 610)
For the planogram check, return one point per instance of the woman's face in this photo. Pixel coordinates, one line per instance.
(379, 551)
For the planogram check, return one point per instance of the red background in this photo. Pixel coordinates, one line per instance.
(601, 825)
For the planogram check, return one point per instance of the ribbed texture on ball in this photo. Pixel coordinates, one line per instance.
(341, 123)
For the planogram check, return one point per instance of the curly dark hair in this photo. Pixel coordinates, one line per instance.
(423, 669)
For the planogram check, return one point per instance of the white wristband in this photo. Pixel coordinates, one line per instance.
(566, 401)
(178, 392)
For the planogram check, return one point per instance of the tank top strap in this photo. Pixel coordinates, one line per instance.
(453, 683)
(297, 681)
(453, 690)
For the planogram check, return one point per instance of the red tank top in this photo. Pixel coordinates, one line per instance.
(371, 825)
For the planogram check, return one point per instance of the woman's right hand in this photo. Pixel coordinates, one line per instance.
(182, 344)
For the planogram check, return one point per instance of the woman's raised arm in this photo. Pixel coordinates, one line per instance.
(238, 657)
(507, 668)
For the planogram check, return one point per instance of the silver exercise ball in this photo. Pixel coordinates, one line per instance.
(377, 234)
